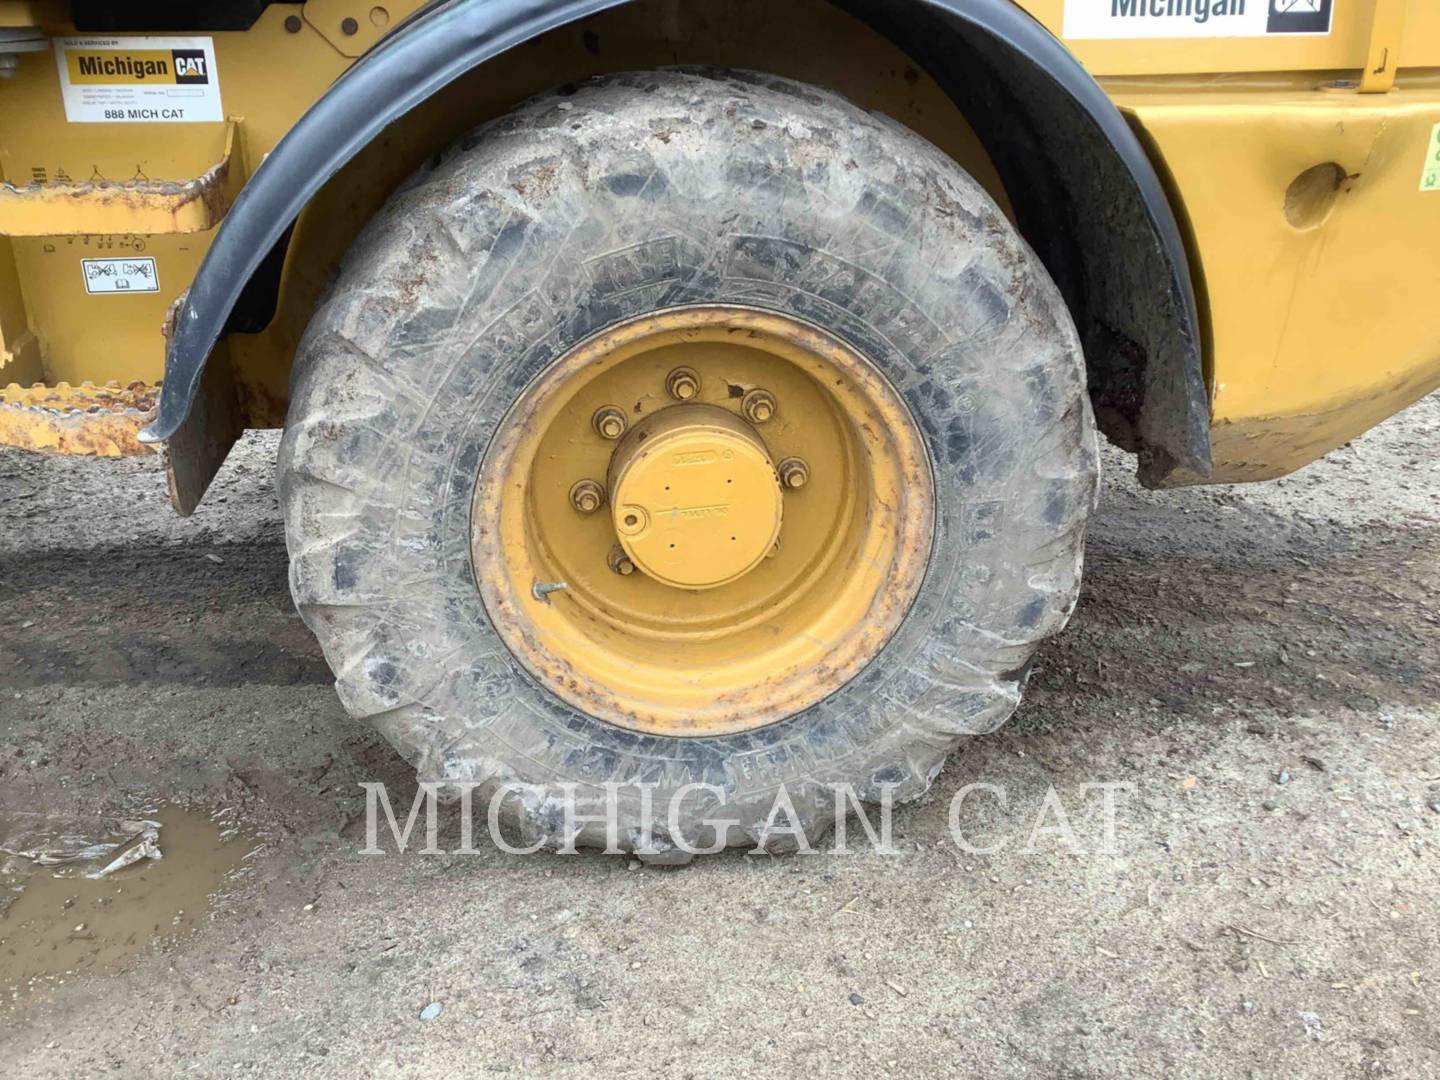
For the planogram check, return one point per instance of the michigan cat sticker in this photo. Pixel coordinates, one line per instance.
(1091, 19)
(139, 80)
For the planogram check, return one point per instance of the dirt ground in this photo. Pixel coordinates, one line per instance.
(1261, 663)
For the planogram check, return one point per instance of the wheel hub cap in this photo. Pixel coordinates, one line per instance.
(696, 501)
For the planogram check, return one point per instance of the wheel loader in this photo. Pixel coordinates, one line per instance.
(704, 395)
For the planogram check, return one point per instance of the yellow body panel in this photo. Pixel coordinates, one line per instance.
(1345, 48)
(64, 419)
(138, 206)
(1323, 314)
(1318, 324)
(1317, 302)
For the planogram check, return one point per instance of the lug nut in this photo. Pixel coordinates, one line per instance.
(620, 562)
(682, 384)
(758, 406)
(586, 496)
(793, 473)
(608, 422)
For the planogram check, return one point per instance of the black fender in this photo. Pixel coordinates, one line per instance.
(1085, 193)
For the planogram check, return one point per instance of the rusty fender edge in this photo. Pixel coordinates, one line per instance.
(99, 421)
(442, 41)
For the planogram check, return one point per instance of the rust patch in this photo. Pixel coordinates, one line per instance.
(260, 406)
(144, 206)
(89, 420)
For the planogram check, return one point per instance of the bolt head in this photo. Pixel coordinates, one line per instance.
(683, 384)
(758, 406)
(620, 562)
(586, 496)
(609, 422)
(794, 473)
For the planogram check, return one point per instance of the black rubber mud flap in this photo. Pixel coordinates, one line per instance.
(194, 454)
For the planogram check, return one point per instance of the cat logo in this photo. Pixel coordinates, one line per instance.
(190, 66)
(1298, 17)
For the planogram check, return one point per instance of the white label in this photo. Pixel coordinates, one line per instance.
(1430, 173)
(138, 80)
(120, 275)
(1195, 18)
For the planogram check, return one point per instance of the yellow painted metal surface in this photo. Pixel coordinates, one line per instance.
(267, 77)
(734, 601)
(1343, 49)
(353, 29)
(1317, 309)
(840, 53)
(128, 207)
(19, 347)
(695, 498)
(89, 420)
(270, 74)
(1382, 55)
(1318, 299)
(1321, 305)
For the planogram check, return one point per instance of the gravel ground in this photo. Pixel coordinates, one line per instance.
(1261, 663)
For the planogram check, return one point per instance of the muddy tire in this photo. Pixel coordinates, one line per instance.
(633, 194)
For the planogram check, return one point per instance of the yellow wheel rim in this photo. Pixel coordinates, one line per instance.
(702, 521)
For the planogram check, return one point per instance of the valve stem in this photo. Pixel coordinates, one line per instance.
(542, 589)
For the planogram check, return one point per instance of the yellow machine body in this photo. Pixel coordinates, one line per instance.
(1304, 170)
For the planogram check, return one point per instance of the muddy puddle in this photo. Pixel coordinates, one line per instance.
(62, 919)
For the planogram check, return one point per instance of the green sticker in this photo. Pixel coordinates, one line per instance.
(1430, 174)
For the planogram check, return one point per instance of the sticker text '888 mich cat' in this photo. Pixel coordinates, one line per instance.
(148, 80)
